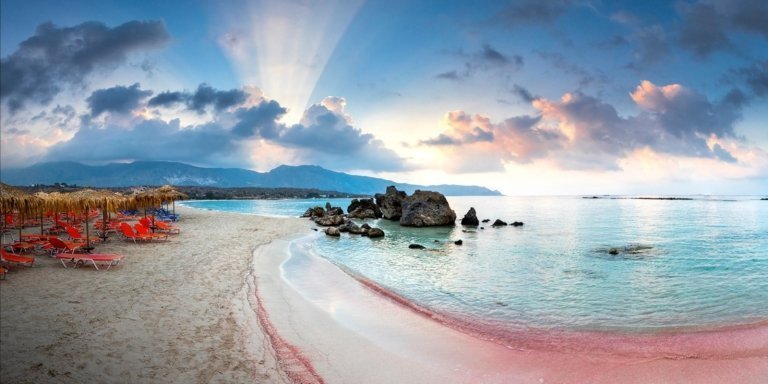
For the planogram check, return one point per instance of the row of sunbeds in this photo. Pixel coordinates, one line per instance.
(146, 230)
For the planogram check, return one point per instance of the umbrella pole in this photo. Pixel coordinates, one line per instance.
(41, 222)
(21, 223)
(87, 237)
(174, 206)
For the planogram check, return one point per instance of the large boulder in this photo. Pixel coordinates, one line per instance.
(391, 203)
(427, 209)
(363, 209)
(470, 218)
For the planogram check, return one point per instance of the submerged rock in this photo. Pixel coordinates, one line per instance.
(499, 223)
(486, 220)
(517, 224)
(390, 203)
(375, 232)
(416, 246)
(427, 209)
(458, 242)
(632, 251)
(332, 231)
(470, 218)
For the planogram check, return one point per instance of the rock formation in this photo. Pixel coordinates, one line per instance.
(470, 218)
(363, 209)
(390, 203)
(426, 209)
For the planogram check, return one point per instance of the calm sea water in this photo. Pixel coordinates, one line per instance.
(681, 264)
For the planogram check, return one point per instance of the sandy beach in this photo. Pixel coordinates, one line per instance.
(169, 314)
(201, 308)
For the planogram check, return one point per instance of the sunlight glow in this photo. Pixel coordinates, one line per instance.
(283, 47)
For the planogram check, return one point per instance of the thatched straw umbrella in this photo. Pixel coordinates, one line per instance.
(14, 199)
(155, 197)
(168, 193)
(87, 199)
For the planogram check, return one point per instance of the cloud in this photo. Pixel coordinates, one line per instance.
(56, 57)
(523, 93)
(260, 120)
(450, 75)
(119, 99)
(488, 59)
(533, 12)
(747, 15)
(756, 77)
(651, 46)
(149, 140)
(709, 25)
(703, 31)
(204, 96)
(326, 135)
(584, 132)
(583, 76)
(168, 99)
(682, 112)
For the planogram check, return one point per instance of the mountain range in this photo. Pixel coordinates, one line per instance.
(159, 173)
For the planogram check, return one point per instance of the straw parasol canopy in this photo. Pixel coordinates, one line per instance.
(14, 199)
(87, 199)
(155, 197)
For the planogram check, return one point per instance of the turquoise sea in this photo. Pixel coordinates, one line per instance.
(681, 264)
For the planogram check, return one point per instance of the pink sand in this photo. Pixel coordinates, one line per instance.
(354, 331)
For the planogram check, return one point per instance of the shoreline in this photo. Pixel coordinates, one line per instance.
(391, 333)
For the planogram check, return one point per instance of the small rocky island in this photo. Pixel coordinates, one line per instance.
(421, 209)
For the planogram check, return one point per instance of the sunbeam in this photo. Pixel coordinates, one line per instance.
(283, 46)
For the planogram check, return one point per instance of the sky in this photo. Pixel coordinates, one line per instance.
(527, 97)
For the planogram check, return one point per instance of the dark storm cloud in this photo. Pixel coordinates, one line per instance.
(118, 99)
(325, 131)
(167, 99)
(206, 96)
(261, 120)
(56, 57)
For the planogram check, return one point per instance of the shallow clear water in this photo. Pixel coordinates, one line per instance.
(681, 264)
